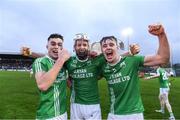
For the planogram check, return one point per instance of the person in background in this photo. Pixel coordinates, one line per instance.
(163, 90)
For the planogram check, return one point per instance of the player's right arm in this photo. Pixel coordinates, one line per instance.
(36, 55)
(46, 79)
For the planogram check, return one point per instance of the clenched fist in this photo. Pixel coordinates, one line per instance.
(156, 29)
(25, 51)
(134, 49)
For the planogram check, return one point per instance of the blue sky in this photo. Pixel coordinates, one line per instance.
(30, 22)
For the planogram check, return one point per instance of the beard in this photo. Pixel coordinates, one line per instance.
(82, 55)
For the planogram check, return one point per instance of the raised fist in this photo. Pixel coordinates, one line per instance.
(25, 51)
(156, 29)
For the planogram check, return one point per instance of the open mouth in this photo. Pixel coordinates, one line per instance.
(82, 50)
(109, 54)
(55, 52)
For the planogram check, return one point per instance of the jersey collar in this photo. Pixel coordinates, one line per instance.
(82, 60)
(50, 58)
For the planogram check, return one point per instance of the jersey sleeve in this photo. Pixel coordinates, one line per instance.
(39, 66)
(139, 60)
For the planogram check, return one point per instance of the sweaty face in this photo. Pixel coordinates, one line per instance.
(82, 49)
(110, 50)
(54, 44)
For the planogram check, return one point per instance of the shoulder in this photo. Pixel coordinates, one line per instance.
(134, 57)
(99, 57)
(160, 69)
(136, 60)
(42, 61)
(72, 58)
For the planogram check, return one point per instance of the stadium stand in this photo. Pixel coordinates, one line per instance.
(177, 69)
(13, 61)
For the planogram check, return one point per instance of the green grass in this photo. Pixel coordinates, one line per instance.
(19, 97)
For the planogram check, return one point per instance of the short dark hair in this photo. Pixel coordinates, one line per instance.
(108, 37)
(55, 35)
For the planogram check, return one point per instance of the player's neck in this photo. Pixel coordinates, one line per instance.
(82, 59)
(115, 61)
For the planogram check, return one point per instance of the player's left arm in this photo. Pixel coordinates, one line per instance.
(163, 54)
(151, 77)
(36, 55)
(26, 51)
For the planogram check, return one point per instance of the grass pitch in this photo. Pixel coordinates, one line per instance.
(19, 97)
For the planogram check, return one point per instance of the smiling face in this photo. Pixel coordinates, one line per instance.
(110, 49)
(53, 45)
(81, 48)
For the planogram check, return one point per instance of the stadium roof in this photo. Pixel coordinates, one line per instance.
(10, 53)
(13, 55)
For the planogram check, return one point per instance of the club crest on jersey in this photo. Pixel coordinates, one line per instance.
(61, 76)
(122, 65)
(89, 62)
(107, 69)
(74, 63)
(114, 70)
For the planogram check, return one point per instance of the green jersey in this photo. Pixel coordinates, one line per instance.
(53, 101)
(163, 78)
(123, 85)
(85, 75)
